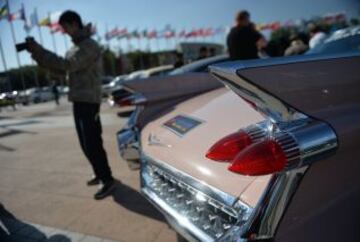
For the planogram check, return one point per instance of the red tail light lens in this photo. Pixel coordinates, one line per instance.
(261, 158)
(127, 101)
(228, 147)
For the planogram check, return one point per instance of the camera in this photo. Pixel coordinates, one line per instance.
(24, 46)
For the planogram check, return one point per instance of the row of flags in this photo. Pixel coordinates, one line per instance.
(30, 21)
(51, 21)
(168, 32)
(5, 13)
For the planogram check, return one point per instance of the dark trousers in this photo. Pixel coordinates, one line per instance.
(88, 128)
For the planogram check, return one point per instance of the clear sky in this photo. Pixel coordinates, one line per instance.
(150, 14)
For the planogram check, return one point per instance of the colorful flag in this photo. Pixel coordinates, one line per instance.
(167, 32)
(122, 33)
(208, 32)
(219, 30)
(34, 19)
(182, 34)
(55, 27)
(144, 34)
(45, 21)
(4, 9)
(18, 15)
(112, 33)
(193, 33)
(93, 29)
(152, 34)
(135, 34)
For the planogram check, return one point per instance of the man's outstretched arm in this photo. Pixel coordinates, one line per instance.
(86, 55)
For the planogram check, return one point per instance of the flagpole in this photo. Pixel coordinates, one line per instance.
(27, 30)
(65, 43)
(52, 35)
(53, 41)
(39, 29)
(17, 53)
(5, 65)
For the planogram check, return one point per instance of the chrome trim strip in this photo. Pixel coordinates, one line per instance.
(277, 110)
(212, 192)
(256, 63)
(268, 213)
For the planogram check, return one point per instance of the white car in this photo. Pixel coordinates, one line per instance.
(156, 71)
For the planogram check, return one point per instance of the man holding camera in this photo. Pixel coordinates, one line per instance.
(82, 67)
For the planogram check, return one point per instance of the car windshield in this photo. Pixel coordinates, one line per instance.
(106, 80)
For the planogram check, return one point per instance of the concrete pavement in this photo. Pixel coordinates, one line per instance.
(43, 174)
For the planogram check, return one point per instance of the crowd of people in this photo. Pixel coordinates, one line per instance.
(245, 42)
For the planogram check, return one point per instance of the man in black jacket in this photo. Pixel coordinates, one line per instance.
(243, 38)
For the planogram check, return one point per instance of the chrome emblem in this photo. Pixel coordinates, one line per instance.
(153, 140)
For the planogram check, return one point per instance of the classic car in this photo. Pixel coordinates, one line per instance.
(274, 159)
(110, 84)
(347, 39)
(118, 93)
(154, 96)
(343, 40)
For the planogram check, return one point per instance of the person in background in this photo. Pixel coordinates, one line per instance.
(242, 41)
(82, 66)
(179, 60)
(55, 92)
(297, 46)
(203, 53)
(212, 52)
(317, 36)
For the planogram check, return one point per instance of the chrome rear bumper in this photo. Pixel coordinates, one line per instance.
(196, 211)
(128, 144)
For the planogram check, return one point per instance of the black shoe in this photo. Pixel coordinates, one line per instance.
(93, 182)
(105, 190)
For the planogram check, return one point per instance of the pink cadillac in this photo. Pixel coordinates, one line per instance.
(272, 157)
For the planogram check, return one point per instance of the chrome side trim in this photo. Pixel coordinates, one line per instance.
(199, 185)
(256, 63)
(268, 213)
(266, 104)
(133, 119)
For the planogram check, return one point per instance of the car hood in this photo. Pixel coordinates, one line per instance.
(221, 113)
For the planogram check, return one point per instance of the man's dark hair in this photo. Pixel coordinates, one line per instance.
(242, 15)
(70, 17)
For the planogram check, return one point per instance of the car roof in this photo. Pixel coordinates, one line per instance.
(343, 33)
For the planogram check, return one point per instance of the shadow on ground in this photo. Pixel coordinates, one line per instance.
(10, 132)
(6, 148)
(14, 230)
(132, 200)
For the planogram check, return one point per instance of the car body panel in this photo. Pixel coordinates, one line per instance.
(188, 153)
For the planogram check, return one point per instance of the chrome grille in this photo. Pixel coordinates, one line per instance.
(207, 214)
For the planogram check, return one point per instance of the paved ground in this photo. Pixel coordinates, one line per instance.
(42, 183)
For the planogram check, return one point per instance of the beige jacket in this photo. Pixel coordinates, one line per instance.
(81, 65)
